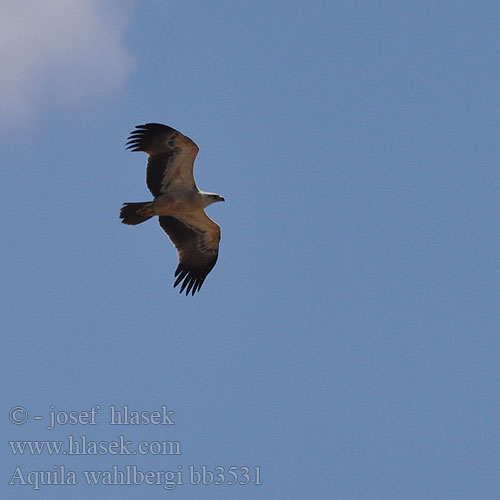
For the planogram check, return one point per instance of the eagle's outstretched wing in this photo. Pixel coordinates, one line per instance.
(196, 237)
(171, 156)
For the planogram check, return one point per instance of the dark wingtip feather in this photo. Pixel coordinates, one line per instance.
(136, 139)
(190, 282)
(144, 136)
(180, 277)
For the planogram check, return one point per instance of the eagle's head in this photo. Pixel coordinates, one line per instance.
(212, 198)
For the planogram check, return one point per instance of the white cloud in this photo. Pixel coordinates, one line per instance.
(61, 50)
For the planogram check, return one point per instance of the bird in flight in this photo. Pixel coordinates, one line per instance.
(177, 202)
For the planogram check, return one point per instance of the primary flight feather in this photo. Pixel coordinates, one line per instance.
(178, 202)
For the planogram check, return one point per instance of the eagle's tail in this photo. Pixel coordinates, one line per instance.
(135, 213)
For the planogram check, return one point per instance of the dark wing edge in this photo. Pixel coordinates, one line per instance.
(196, 260)
(152, 138)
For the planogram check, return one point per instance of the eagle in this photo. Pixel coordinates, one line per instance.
(178, 202)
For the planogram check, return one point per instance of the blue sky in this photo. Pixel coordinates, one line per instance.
(347, 341)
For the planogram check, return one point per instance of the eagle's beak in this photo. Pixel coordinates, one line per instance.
(222, 199)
